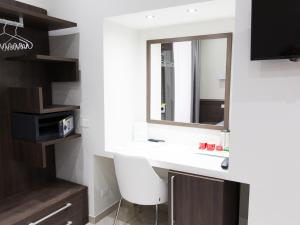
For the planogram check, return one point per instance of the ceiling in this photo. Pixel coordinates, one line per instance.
(204, 11)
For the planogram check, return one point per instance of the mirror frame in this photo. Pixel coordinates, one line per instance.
(227, 80)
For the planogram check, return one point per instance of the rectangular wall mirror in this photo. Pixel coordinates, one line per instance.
(188, 81)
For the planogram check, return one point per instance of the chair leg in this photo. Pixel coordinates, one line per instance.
(118, 210)
(156, 215)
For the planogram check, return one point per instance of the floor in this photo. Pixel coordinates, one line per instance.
(136, 215)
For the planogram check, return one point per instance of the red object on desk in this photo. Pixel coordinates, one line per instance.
(202, 146)
(211, 147)
(219, 148)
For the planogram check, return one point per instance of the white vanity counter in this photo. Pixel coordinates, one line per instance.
(174, 157)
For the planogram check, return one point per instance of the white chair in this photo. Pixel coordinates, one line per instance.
(139, 183)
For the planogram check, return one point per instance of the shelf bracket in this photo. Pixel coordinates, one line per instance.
(13, 23)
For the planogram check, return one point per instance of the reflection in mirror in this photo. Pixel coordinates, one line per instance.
(188, 80)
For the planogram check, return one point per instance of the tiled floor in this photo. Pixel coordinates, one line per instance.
(137, 215)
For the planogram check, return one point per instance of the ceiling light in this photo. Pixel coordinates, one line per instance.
(192, 10)
(150, 17)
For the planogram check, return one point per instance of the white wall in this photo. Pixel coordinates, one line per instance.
(265, 129)
(190, 29)
(121, 61)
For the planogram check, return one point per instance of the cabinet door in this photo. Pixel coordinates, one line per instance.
(195, 200)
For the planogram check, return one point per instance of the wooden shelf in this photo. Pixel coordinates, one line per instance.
(43, 144)
(35, 153)
(20, 208)
(59, 140)
(60, 69)
(31, 100)
(44, 58)
(60, 108)
(33, 18)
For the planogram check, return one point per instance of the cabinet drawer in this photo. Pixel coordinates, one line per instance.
(70, 211)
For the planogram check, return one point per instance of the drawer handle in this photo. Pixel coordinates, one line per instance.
(172, 199)
(68, 205)
(69, 223)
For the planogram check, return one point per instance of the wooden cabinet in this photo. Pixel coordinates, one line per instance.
(30, 193)
(196, 200)
(57, 203)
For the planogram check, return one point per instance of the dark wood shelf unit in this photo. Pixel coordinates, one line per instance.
(60, 69)
(31, 100)
(36, 154)
(29, 189)
(33, 18)
(28, 207)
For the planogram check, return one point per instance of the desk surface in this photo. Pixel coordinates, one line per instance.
(174, 157)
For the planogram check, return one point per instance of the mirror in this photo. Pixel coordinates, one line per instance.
(188, 81)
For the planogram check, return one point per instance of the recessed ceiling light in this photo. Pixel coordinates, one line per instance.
(150, 17)
(192, 10)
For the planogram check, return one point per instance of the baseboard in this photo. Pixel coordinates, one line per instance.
(100, 216)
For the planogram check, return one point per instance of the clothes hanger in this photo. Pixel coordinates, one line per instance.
(17, 46)
(23, 45)
(14, 42)
(22, 38)
(3, 46)
(4, 31)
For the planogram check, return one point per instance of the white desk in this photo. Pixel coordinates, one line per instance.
(174, 157)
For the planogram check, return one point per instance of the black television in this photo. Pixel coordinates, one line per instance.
(275, 32)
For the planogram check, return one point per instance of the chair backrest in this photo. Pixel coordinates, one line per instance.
(138, 182)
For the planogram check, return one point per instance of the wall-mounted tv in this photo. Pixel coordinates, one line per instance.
(275, 29)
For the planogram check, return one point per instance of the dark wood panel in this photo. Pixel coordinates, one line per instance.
(44, 58)
(33, 18)
(211, 111)
(203, 201)
(37, 154)
(197, 201)
(32, 100)
(26, 99)
(59, 68)
(64, 71)
(31, 206)
(231, 203)
(59, 108)
(28, 193)
(17, 176)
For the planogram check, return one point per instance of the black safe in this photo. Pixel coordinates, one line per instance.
(38, 127)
